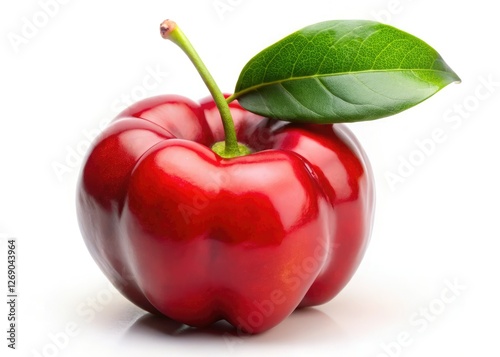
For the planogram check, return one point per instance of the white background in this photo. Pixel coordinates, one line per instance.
(436, 228)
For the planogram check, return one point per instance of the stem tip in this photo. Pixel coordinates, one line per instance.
(166, 28)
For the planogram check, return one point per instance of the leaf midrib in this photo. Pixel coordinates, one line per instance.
(291, 79)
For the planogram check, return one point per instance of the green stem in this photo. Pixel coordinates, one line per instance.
(231, 98)
(171, 31)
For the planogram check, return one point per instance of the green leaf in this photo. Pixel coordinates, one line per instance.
(342, 71)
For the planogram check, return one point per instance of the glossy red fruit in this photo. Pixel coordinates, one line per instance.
(182, 232)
